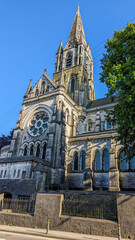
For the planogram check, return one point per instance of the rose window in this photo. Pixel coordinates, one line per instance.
(38, 124)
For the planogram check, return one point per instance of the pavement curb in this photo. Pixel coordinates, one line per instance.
(36, 234)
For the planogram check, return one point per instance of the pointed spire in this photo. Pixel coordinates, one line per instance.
(62, 80)
(60, 47)
(77, 32)
(78, 10)
(28, 89)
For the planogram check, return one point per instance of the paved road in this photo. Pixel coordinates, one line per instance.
(15, 236)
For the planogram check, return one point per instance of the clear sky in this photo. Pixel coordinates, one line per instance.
(30, 33)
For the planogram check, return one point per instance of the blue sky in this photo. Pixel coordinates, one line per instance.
(30, 33)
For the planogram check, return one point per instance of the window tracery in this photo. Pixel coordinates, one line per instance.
(97, 161)
(25, 151)
(83, 159)
(38, 124)
(106, 160)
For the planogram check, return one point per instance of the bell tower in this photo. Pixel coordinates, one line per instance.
(75, 63)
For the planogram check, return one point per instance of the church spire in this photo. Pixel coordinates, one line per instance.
(77, 35)
(78, 10)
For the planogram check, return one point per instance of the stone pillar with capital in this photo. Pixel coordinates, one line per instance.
(114, 172)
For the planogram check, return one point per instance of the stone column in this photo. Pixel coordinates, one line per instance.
(114, 172)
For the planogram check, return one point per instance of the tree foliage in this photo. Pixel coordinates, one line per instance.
(5, 140)
(118, 73)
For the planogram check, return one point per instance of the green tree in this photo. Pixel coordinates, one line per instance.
(118, 73)
(5, 140)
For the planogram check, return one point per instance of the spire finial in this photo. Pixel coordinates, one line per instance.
(78, 10)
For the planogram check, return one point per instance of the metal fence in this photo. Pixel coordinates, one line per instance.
(17, 205)
(83, 208)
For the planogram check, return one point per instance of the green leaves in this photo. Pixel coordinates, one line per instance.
(118, 73)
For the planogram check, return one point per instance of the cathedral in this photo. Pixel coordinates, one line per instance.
(62, 139)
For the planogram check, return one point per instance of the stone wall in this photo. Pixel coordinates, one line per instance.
(50, 206)
(15, 187)
(126, 214)
(101, 180)
(127, 180)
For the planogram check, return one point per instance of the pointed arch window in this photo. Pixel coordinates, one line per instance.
(75, 161)
(36, 93)
(69, 60)
(72, 84)
(132, 163)
(47, 89)
(43, 88)
(90, 125)
(126, 164)
(97, 161)
(31, 150)
(106, 160)
(25, 151)
(123, 161)
(38, 150)
(44, 151)
(83, 159)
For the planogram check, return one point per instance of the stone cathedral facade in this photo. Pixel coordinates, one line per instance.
(62, 138)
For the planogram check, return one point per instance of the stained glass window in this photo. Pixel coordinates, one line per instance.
(106, 160)
(25, 151)
(132, 163)
(83, 158)
(38, 124)
(44, 151)
(75, 161)
(97, 161)
(123, 161)
(31, 150)
(38, 150)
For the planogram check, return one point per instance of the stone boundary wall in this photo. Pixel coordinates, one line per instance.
(50, 206)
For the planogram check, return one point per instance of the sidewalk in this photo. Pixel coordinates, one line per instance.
(53, 234)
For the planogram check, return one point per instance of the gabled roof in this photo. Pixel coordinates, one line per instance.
(100, 102)
(44, 78)
(38, 168)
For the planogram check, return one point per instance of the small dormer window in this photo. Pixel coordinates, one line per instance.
(69, 60)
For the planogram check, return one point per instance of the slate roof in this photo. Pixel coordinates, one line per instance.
(100, 102)
(24, 159)
(39, 168)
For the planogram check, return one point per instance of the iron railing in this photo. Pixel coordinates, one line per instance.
(17, 205)
(83, 208)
